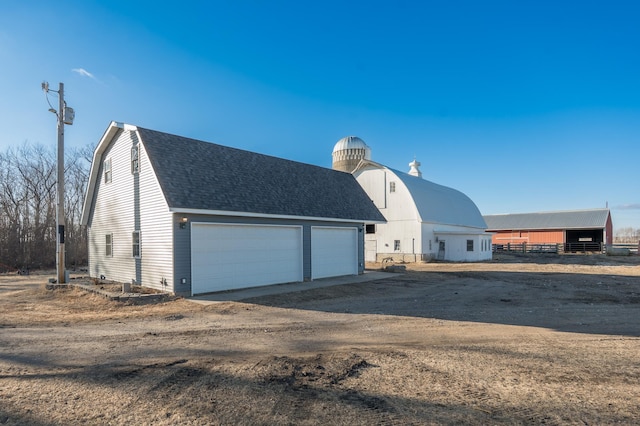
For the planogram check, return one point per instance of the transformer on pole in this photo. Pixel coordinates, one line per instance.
(65, 115)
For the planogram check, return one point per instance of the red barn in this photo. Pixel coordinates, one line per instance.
(582, 230)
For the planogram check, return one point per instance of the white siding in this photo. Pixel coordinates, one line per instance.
(405, 225)
(397, 205)
(399, 210)
(128, 203)
(156, 224)
(456, 246)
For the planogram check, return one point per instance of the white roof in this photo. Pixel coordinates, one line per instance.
(437, 203)
(441, 204)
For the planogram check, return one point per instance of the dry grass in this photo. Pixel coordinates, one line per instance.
(514, 343)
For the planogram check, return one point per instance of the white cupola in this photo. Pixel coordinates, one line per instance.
(415, 171)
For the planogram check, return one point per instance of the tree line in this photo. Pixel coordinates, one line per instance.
(28, 208)
(28, 181)
(627, 235)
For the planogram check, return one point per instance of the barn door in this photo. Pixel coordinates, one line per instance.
(441, 250)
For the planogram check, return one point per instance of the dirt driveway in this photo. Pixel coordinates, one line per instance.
(520, 340)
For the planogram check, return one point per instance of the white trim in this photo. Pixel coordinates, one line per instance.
(180, 210)
(261, 225)
(470, 232)
(96, 162)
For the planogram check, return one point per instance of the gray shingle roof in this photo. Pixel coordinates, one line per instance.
(576, 219)
(200, 175)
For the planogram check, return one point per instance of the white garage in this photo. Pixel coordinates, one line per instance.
(232, 256)
(334, 251)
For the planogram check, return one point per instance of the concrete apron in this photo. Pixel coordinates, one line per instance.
(248, 293)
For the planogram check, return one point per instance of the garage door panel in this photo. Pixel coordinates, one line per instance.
(225, 257)
(334, 252)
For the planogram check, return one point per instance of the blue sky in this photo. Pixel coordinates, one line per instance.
(522, 105)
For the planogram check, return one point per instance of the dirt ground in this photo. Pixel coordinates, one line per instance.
(519, 340)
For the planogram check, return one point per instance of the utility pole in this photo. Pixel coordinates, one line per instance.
(65, 116)
(60, 264)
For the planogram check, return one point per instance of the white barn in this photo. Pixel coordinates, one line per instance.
(425, 221)
(191, 217)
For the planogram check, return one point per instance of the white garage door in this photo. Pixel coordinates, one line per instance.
(334, 252)
(232, 256)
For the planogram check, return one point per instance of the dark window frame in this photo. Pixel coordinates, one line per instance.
(136, 251)
(135, 159)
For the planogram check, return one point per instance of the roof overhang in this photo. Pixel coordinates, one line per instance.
(550, 228)
(266, 215)
(368, 163)
(472, 231)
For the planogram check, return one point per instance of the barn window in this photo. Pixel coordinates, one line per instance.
(469, 245)
(135, 243)
(108, 245)
(392, 187)
(396, 245)
(370, 229)
(135, 164)
(107, 170)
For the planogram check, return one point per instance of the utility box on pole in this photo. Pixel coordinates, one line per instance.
(60, 261)
(65, 115)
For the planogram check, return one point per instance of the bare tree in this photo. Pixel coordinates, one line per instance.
(28, 206)
(627, 235)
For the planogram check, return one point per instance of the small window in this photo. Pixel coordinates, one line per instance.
(469, 245)
(107, 170)
(430, 245)
(396, 245)
(135, 164)
(135, 243)
(108, 245)
(392, 187)
(370, 229)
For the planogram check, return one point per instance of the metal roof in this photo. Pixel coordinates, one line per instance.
(572, 219)
(435, 203)
(441, 204)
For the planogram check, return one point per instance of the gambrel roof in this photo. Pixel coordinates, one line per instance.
(202, 177)
(435, 203)
(572, 219)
